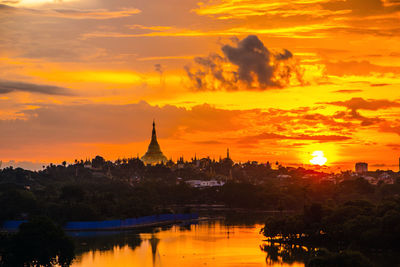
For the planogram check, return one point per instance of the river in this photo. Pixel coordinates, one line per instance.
(208, 243)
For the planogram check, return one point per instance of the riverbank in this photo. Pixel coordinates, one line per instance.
(112, 225)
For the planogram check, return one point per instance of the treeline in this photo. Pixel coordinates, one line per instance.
(69, 193)
(356, 225)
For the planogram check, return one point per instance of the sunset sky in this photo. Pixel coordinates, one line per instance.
(271, 80)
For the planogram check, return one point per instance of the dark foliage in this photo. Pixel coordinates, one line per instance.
(39, 242)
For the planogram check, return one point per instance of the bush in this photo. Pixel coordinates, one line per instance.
(346, 258)
(39, 242)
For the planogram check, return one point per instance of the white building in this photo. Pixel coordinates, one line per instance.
(203, 184)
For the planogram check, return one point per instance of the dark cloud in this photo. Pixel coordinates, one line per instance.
(283, 56)
(12, 86)
(379, 84)
(357, 103)
(159, 68)
(381, 165)
(394, 146)
(246, 65)
(390, 127)
(251, 56)
(355, 115)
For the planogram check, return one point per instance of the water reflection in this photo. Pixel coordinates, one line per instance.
(287, 253)
(205, 244)
(154, 251)
(105, 241)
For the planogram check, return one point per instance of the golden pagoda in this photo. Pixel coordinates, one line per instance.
(154, 154)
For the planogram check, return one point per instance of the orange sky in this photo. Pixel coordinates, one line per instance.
(271, 80)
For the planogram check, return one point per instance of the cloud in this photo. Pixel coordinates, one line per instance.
(348, 91)
(27, 165)
(209, 142)
(355, 115)
(50, 125)
(394, 146)
(359, 68)
(356, 6)
(98, 14)
(379, 84)
(243, 9)
(247, 65)
(93, 14)
(104, 123)
(363, 7)
(357, 103)
(33, 2)
(310, 31)
(304, 137)
(390, 127)
(4, 3)
(12, 86)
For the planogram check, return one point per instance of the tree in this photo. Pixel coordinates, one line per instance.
(15, 202)
(346, 258)
(98, 162)
(39, 242)
(72, 193)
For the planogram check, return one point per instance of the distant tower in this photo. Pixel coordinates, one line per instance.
(154, 154)
(361, 167)
(227, 153)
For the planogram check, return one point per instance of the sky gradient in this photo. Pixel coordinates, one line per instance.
(271, 80)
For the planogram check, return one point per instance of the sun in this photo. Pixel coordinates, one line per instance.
(318, 158)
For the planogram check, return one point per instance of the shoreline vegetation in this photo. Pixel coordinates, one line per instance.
(342, 217)
(338, 235)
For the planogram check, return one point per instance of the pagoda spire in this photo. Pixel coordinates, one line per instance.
(154, 154)
(153, 133)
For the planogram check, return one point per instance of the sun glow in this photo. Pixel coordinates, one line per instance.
(318, 158)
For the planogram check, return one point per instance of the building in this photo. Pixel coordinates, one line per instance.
(361, 167)
(203, 184)
(227, 161)
(154, 154)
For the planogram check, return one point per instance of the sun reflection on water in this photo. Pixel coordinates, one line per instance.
(205, 244)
